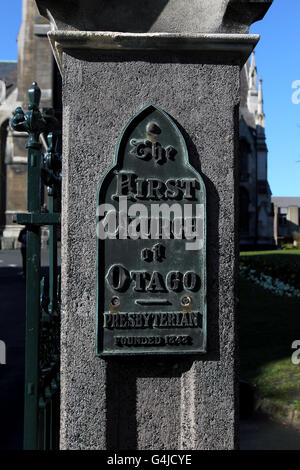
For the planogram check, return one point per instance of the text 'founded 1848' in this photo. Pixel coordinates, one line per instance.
(151, 227)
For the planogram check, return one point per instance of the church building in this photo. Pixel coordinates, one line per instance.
(256, 210)
(36, 63)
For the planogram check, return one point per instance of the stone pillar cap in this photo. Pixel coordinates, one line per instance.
(143, 16)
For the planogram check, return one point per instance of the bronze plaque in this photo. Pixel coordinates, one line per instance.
(151, 236)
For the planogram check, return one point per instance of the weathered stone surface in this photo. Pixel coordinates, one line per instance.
(145, 403)
(238, 46)
(193, 16)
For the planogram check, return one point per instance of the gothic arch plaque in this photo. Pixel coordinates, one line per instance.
(151, 236)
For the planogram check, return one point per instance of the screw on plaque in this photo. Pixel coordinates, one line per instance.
(152, 131)
(115, 301)
(186, 301)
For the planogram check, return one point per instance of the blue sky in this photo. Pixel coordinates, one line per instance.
(10, 20)
(278, 62)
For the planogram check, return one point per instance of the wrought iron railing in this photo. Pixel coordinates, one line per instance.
(41, 409)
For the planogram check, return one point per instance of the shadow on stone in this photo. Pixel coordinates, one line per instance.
(247, 399)
(114, 16)
(212, 249)
(122, 393)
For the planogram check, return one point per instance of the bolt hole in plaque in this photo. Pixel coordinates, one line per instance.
(151, 236)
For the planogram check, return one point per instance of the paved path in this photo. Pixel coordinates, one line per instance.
(261, 432)
(258, 432)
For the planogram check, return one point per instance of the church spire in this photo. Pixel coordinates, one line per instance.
(252, 99)
(260, 116)
(260, 106)
(253, 74)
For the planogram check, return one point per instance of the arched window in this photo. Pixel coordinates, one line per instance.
(244, 210)
(244, 159)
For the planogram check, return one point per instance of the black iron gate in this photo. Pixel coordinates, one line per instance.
(42, 389)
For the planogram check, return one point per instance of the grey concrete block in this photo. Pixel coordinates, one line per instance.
(192, 16)
(146, 403)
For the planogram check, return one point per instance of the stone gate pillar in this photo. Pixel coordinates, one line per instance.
(116, 57)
